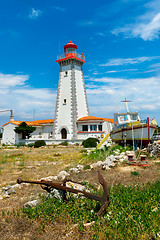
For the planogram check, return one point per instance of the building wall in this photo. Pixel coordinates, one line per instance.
(9, 137)
(106, 128)
(42, 132)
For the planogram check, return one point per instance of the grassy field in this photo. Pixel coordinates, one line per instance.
(134, 211)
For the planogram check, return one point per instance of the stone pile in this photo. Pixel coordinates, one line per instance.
(112, 160)
(154, 148)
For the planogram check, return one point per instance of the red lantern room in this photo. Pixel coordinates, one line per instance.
(70, 49)
(70, 52)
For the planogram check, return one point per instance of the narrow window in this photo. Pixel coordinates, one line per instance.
(64, 101)
(40, 135)
(85, 128)
(66, 74)
(50, 134)
(99, 127)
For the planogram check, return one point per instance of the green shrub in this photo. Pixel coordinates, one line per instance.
(90, 142)
(65, 143)
(20, 144)
(39, 143)
(135, 173)
(30, 145)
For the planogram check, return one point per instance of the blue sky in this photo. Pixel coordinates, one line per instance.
(120, 40)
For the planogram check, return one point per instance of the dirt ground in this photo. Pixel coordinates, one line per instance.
(30, 163)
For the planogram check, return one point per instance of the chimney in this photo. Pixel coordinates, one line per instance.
(11, 117)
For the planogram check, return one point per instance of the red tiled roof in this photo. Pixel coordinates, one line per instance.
(31, 123)
(44, 121)
(88, 118)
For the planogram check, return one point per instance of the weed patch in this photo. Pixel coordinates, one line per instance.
(133, 213)
(135, 173)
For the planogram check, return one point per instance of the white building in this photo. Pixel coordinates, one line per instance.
(44, 131)
(72, 120)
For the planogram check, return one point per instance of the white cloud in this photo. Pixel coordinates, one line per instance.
(125, 61)
(146, 27)
(148, 31)
(11, 80)
(35, 13)
(105, 96)
(23, 99)
(35, 93)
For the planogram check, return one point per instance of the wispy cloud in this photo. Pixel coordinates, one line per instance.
(59, 8)
(35, 13)
(126, 61)
(109, 92)
(123, 70)
(12, 80)
(145, 25)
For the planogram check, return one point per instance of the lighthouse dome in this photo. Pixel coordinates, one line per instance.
(70, 45)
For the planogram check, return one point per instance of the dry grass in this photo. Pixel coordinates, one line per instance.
(31, 163)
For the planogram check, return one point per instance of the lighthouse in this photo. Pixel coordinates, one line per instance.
(72, 121)
(71, 103)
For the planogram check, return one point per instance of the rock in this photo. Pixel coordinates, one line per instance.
(62, 175)
(16, 186)
(98, 164)
(6, 196)
(107, 168)
(154, 148)
(129, 153)
(80, 167)
(55, 178)
(6, 188)
(10, 191)
(111, 157)
(57, 194)
(31, 204)
(117, 158)
(123, 158)
(74, 170)
(50, 178)
(117, 152)
(76, 186)
(122, 154)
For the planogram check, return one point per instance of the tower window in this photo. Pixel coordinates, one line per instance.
(65, 101)
(66, 74)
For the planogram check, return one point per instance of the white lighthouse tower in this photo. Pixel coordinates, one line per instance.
(71, 101)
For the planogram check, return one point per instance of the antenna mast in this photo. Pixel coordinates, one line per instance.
(126, 101)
